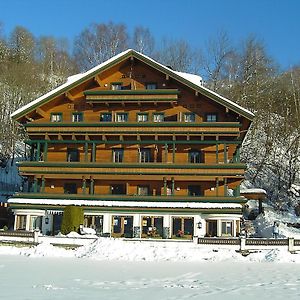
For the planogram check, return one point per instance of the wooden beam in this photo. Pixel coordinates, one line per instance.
(97, 79)
(41, 112)
(87, 138)
(167, 77)
(59, 137)
(29, 118)
(73, 137)
(70, 96)
(196, 93)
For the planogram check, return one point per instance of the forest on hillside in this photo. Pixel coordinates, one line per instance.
(243, 72)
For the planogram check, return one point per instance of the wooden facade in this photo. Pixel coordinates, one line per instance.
(139, 146)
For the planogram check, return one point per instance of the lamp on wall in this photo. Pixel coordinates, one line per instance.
(199, 225)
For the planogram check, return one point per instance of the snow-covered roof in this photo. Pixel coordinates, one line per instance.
(192, 80)
(253, 191)
(100, 203)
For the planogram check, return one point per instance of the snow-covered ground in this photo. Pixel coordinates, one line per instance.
(107, 268)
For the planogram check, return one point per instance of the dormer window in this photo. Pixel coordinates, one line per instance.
(151, 86)
(189, 117)
(115, 86)
(158, 117)
(212, 117)
(56, 117)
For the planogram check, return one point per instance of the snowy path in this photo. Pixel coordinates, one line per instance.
(31, 278)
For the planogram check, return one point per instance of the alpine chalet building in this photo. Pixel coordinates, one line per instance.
(148, 152)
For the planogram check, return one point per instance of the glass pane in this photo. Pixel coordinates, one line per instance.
(77, 117)
(158, 117)
(151, 86)
(142, 117)
(145, 155)
(122, 117)
(118, 155)
(106, 117)
(116, 86)
(190, 117)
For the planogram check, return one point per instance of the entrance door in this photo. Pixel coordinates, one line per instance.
(122, 226)
(182, 227)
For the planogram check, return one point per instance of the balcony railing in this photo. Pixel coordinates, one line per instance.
(233, 169)
(157, 198)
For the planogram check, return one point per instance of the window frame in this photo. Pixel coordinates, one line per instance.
(158, 114)
(141, 187)
(195, 160)
(146, 159)
(119, 151)
(79, 113)
(119, 114)
(189, 114)
(56, 114)
(209, 115)
(106, 113)
(74, 150)
(142, 114)
(149, 84)
(114, 84)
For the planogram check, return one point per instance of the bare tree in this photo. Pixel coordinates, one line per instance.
(143, 41)
(98, 43)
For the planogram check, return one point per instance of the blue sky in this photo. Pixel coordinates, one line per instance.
(275, 22)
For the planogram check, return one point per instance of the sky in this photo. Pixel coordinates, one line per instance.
(275, 22)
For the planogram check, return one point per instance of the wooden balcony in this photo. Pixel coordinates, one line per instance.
(134, 128)
(132, 198)
(132, 96)
(134, 171)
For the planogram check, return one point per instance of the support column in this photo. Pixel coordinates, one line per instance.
(137, 226)
(107, 223)
(225, 154)
(86, 149)
(174, 151)
(166, 153)
(35, 182)
(92, 187)
(166, 227)
(43, 184)
(38, 151)
(83, 185)
(45, 151)
(165, 186)
(173, 186)
(94, 152)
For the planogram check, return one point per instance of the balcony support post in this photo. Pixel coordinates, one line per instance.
(38, 151)
(83, 185)
(35, 184)
(174, 151)
(173, 186)
(86, 149)
(94, 153)
(43, 184)
(165, 186)
(166, 153)
(225, 153)
(46, 151)
(92, 189)
(217, 186)
(217, 153)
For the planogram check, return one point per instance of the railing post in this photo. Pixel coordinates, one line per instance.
(242, 244)
(36, 236)
(291, 244)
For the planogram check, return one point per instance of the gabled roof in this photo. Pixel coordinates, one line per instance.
(191, 80)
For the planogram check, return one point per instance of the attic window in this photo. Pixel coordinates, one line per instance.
(212, 117)
(77, 117)
(151, 86)
(116, 86)
(56, 117)
(189, 117)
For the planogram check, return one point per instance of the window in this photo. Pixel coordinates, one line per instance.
(211, 118)
(72, 154)
(122, 117)
(195, 157)
(189, 117)
(116, 86)
(158, 117)
(194, 190)
(227, 228)
(118, 155)
(142, 117)
(77, 117)
(70, 188)
(143, 190)
(151, 86)
(105, 117)
(21, 222)
(56, 117)
(118, 189)
(144, 155)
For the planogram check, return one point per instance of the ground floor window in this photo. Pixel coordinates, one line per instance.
(211, 228)
(21, 222)
(152, 227)
(35, 222)
(95, 222)
(227, 228)
(122, 226)
(182, 227)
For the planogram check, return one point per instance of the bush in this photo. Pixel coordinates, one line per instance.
(72, 218)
